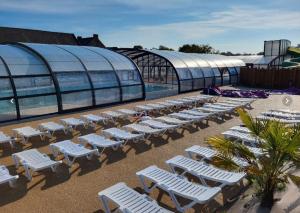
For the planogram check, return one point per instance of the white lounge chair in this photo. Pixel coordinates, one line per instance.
(128, 200)
(204, 171)
(186, 101)
(167, 104)
(129, 112)
(93, 120)
(7, 139)
(177, 103)
(73, 123)
(32, 161)
(197, 113)
(174, 121)
(145, 109)
(216, 106)
(282, 115)
(52, 128)
(122, 135)
(177, 186)
(147, 131)
(156, 106)
(159, 125)
(25, 133)
(249, 100)
(235, 103)
(189, 117)
(241, 129)
(113, 115)
(285, 121)
(288, 111)
(245, 137)
(5, 177)
(207, 154)
(72, 151)
(215, 111)
(98, 141)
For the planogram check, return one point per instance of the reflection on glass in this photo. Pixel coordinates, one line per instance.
(5, 88)
(77, 100)
(7, 110)
(105, 96)
(73, 81)
(34, 86)
(132, 92)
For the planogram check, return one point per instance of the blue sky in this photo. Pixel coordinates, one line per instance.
(231, 25)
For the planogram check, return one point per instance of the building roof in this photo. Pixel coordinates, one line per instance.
(256, 59)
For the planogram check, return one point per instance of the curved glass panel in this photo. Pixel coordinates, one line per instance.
(77, 100)
(73, 81)
(5, 88)
(34, 85)
(3, 71)
(104, 79)
(8, 110)
(106, 96)
(21, 62)
(39, 105)
(59, 60)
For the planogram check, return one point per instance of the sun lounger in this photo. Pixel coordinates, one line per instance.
(72, 151)
(98, 141)
(73, 123)
(241, 129)
(32, 161)
(145, 109)
(128, 200)
(129, 112)
(113, 115)
(157, 106)
(186, 101)
(197, 113)
(145, 130)
(211, 110)
(177, 103)
(216, 106)
(52, 128)
(123, 135)
(245, 137)
(177, 186)
(207, 154)
(189, 117)
(204, 171)
(234, 103)
(292, 112)
(167, 104)
(7, 139)
(5, 177)
(282, 115)
(285, 121)
(25, 133)
(159, 125)
(174, 121)
(93, 120)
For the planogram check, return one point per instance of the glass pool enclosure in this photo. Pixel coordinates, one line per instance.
(42, 79)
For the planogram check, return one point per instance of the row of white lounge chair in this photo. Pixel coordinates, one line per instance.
(33, 160)
(176, 185)
(282, 115)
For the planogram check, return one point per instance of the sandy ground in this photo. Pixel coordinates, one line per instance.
(75, 189)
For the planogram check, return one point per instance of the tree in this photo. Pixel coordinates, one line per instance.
(260, 53)
(280, 147)
(139, 47)
(194, 48)
(162, 47)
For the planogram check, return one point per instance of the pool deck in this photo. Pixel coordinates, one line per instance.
(75, 189)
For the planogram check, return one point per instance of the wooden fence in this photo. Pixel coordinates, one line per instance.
(270, 78)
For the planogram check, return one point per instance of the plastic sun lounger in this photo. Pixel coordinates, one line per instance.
(128, 200)
(216, 106)
(52, 127)
(197, 113)
(245, 137)
(145, 108)
(113, 115)
(167, 104)
(174, 121)
(93, 120)
(189, 117)
(129, 112)
(72, 151)
(99, 142)
(207, 154)
(146, 130)
(123, 135)
(32, 161)
(241, 129)
(282, 115)
(235, 103)
(286, 111)
(176, 185)
(204, 172)
(5, 177)
(159, 125)
(230, 105)
(7, 139)
(177, 103)
(285, 121)
(156, 106)
(73, 123)
(25, 133)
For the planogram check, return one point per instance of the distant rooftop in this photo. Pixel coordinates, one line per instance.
(8, 35)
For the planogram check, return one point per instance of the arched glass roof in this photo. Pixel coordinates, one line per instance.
(192, 67)
(39, 79)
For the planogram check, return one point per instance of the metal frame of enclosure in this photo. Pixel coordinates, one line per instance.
(192, 71)
(43, 79)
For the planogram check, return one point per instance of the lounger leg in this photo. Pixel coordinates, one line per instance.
(12, 183)
(146, 188)
(105, 204)
(54, 151)
(27, 172)
(69, 162)
(177, 204)
(16, 161)
(12, 144)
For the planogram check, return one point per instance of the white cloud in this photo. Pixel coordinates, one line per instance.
(216, 23)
